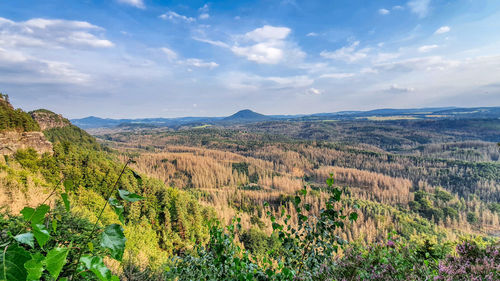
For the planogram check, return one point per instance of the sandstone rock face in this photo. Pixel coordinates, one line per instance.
(48, 120)
(11, 141)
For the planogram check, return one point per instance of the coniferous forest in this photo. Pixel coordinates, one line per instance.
(263, 200)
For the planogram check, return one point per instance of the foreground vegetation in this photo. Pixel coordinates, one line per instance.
(231, 204)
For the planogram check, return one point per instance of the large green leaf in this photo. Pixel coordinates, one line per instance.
(27, 212)
(118, 208)
(96, 265)
(54, 225)
(65, 199)
(26, 238)
(130, 197)
(36, 216)
(113, 239)
(35, 266)
(55, 260)
(41, 234)
(137, 177)
(12, 259)
(68, 185)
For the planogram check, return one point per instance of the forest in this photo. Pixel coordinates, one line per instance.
(266, 200)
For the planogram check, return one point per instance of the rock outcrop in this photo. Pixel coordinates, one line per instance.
(48, 119)
(11, 141)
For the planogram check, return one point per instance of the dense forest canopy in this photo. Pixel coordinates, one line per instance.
(15, 119)
(252, 201)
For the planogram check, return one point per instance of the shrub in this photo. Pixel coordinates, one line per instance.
(472, 263)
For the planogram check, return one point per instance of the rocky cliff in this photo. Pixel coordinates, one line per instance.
(48, 119)
(11, 141)
(19, 130)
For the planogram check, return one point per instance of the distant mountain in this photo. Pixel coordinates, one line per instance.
(96, 122)
(247, 115)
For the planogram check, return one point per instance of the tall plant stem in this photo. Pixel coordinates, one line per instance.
(94, 228)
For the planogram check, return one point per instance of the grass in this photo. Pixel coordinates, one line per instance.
(202, 126)
(389, 118)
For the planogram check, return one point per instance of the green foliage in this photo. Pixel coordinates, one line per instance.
(442, 195)
(258, 243)
(41, 234)
(54, 253)
(12, 259)
(65, 199)
(55, 260)
(45, 164)
(113, 239)
(435, 205)
(494, 207)
(15, 119)
(26, 238)
(220, 259)
(175, 217)
(35, 216)
(28, 158)
(72, 135)
(183, 218)
(142, 249)
(472, 217)
(241, 168)
(130, 197)
(95, 265)
(396, 259)
(304, 251)
(34, 267)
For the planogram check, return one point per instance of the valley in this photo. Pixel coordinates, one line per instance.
(426, 184)
(440, 173)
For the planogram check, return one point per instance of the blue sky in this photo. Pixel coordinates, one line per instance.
(143, 58)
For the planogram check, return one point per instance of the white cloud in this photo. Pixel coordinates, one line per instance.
(200, 63)
(268, 33)
(264, 45)
(260, 53)
(175, 17)
(212, 42)
(383, 57)
(442, 29)
(419, 7)
(368, 70)
(244, 81)
(384, 11)
(314, 91)
(312, 34)
(396, 89)
(348, 53)
(398, 8)
(204, 12)
(431, 63)
(427, 48)
(171, 55)
(54, 23)
(204, 8)
(337, 75)
(135, 3)
(50, 34)
(16, 67)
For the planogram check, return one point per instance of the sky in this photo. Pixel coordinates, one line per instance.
(145, 58)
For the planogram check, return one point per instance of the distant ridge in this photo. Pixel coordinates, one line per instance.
(247, 115)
